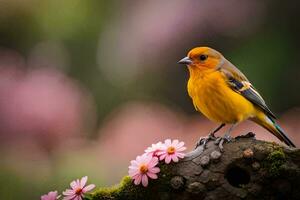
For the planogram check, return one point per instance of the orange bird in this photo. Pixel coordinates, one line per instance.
(224, 95)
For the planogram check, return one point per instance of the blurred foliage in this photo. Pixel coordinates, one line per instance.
(267, 55)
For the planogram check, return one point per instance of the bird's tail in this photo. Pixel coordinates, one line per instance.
(269, 124)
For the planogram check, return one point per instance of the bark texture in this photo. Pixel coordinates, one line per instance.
(246, 169)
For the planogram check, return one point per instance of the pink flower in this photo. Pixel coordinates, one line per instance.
(53, 195)
(172, 150)
(78, 189)
(142, 168)
(154, 149)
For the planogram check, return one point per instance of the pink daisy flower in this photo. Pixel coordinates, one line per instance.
(154, 149)
(142, 168)
(172, 150)
(78, 189)
(53, 195)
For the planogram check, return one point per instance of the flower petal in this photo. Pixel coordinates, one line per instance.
(163, 156)
(68, 192)
(180, 155)
(133, 167)
(181, 149)
(138, 179)
(133, 173)
(152, 175)
(52, 195)
(78, 183)
(153, 162)
(83, 181)
(73, 185)
(175, 143)
(180, 144)
(168, 142)
(168, 159)
(147, 158)
(174, 158)
(154, 170)
(78, 198)
(133, 163)
(88, 188)
(71, 197)
(145, 180)
(138, 159)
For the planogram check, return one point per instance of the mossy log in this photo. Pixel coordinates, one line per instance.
(246, 169)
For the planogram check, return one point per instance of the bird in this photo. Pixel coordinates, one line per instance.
(222, 93)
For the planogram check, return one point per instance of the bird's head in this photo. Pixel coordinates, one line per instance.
(202, 58)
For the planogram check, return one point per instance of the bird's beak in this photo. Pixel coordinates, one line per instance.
(185, 61)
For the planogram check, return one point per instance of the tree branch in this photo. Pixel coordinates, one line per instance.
(247, 169)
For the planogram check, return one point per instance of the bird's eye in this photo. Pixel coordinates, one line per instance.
(203, 57)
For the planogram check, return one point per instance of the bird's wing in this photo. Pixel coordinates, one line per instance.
(239, 83)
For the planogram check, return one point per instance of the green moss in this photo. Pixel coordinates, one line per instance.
(127, 190)
(123, 190)
(105, 193)
(275, 160)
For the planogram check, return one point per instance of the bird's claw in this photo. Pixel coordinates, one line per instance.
(220, 141)
(217, 141)
(203, 140)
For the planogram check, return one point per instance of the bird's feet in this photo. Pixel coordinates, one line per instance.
(217, 141)
(220, 141)
(203, 140)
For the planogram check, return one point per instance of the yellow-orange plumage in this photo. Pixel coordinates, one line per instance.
(223, 94)
(212, 97)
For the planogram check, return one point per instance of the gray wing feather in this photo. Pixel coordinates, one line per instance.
(239, 83)
(252, 96)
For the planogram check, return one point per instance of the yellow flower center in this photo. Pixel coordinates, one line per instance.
(143, 169)
(78, 191)
(171, 150)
